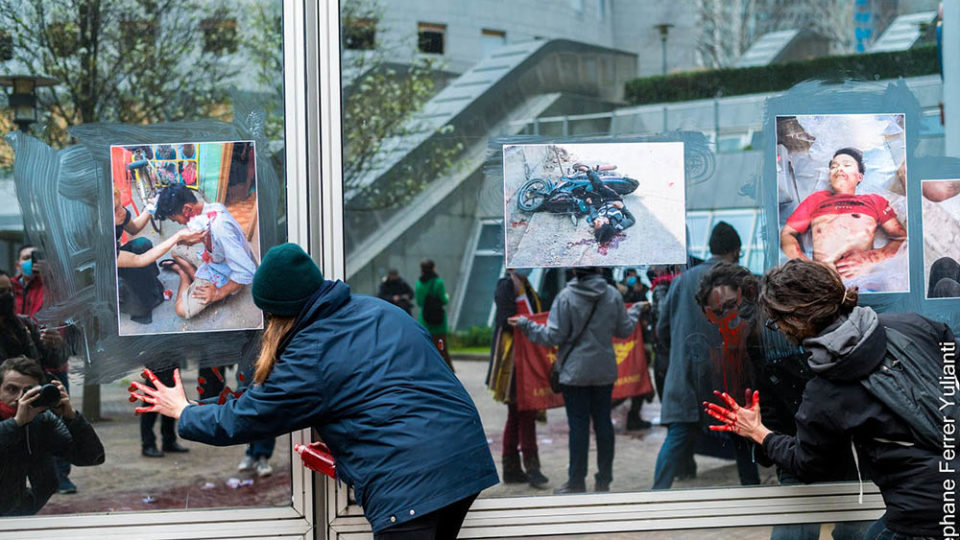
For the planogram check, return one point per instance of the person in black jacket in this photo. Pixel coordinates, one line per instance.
(808, 302)
(31, 436)
(395, 290)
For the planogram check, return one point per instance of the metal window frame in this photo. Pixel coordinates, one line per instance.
(296, 521)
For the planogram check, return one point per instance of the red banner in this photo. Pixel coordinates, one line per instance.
(534, 362)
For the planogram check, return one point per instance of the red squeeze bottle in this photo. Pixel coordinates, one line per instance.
(317, 457)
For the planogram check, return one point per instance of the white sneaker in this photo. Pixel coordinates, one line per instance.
(247, 464)
(263, 468)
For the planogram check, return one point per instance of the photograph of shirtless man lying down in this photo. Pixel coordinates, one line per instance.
(841, 182)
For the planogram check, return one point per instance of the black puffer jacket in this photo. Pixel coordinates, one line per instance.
(27, 452)
(837, 408)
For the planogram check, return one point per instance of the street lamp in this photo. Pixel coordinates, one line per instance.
(664, 30)
(23, 99)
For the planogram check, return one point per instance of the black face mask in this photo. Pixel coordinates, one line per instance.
(6, 306)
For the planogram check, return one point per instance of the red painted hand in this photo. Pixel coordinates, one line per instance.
(744, 421)
(166, 400)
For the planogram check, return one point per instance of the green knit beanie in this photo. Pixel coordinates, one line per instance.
(286, 279)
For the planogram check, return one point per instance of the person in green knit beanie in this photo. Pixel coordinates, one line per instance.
(285, 281)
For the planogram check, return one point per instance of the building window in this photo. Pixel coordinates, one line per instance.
(745, 220)
(431, 37)
(492, 40)
(360, 34)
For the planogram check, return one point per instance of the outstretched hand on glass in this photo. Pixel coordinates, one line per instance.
(166, 400)
(744, 421)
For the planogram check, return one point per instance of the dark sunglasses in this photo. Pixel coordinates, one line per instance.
(724, 308)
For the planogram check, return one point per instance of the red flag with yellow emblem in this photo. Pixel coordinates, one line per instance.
(533, 363)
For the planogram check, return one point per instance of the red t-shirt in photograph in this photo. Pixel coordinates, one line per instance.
(825, 202)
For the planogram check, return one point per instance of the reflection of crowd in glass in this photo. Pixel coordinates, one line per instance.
(780, 361)
(41, 434)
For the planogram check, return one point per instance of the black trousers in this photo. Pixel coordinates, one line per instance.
(168, 426)
(442, 524)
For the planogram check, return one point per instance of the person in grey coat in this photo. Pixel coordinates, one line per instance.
(690, 336)
(583, 320)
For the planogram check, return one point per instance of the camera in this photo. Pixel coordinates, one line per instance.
(49, 396)
(36, 255)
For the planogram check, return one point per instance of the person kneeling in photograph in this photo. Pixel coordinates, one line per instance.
(37, 424)
(361, 372)
(228, 263)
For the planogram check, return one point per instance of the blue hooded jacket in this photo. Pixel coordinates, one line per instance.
(403, 430)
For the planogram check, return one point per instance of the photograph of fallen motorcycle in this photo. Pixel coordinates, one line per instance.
(578, 204)
(592, 193)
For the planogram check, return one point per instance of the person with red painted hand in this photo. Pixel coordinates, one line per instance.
(809, 304)
(401, 427)
(33, 435)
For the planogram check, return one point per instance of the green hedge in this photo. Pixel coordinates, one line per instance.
(777, 77)
(475, 336)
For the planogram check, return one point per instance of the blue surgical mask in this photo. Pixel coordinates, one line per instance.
(27, 267)
(631, 281)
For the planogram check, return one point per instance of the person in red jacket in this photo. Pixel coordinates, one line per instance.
(29, 291)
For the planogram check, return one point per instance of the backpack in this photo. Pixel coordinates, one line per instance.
(908, 382)
(432, 308)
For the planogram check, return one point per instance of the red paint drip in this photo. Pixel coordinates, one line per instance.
(731, 363)
(612, 244)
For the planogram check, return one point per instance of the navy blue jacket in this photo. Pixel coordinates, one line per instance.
(404, 432)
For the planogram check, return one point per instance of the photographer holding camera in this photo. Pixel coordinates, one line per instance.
(37, 424)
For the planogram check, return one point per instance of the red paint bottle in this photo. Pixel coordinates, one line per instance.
(317, 457)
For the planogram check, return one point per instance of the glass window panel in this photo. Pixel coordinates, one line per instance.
(697, 227)
(491, 237)
(930, 125)
(730, 144)
(755, 261)
(431, 37)
(485, 272)
(492, 40)
(204, 81)
(437, 176)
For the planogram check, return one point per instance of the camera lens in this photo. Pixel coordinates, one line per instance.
(49, 396)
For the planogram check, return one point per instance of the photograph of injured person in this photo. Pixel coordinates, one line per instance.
(190, 270)
(842, 200)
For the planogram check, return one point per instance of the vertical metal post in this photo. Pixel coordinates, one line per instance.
(951, 77)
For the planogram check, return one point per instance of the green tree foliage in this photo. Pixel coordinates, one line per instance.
(380, 102)
(264, 47)
(130, 61)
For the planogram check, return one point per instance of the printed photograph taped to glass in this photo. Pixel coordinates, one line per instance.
(941, 237)
(604, 204)
(841, 183)
(187, 238)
